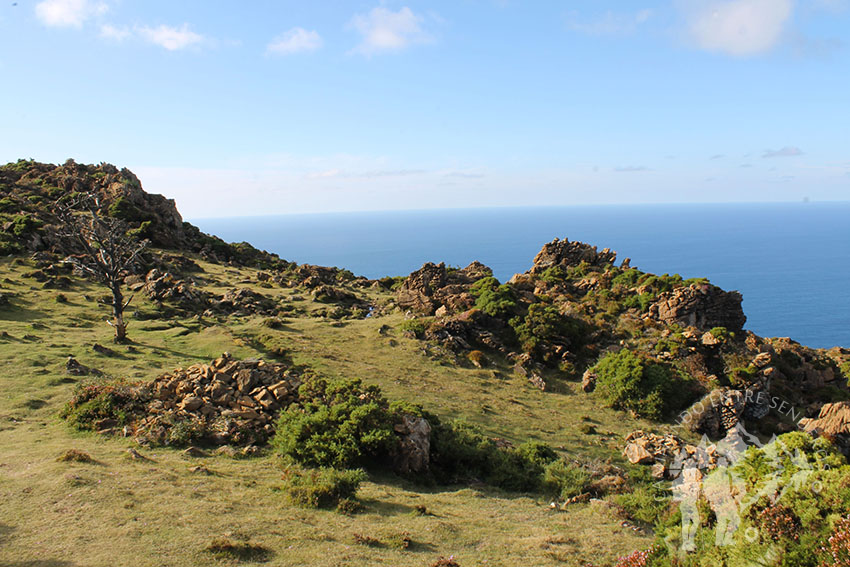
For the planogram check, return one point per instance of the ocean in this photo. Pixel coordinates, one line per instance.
(791, 261)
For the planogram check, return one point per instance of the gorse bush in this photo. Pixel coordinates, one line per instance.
(793, 500)
(564, 480)
(339, 424)
(494, 299)
(630, 381)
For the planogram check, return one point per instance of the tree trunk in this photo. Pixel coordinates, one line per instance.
(118, 314)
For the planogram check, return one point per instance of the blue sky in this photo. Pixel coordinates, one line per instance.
(264, 107)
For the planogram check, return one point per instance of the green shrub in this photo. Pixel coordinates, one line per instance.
(564, 480)
(631, 381)
(461, 453)
(321, 488)
(338, 424)
(24, 224)
(101, 399)
(494, 299)
(413, 327)
(544, 326)
(122, 208)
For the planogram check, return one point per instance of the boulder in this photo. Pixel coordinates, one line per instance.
(588, 381)
(414, 448)
(638, 455)
(833, 422)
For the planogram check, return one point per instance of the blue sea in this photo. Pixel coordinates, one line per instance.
(791, 261)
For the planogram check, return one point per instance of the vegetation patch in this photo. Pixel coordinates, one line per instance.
(321, 488)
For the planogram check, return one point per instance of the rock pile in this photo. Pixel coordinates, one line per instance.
(162, 286)
(225, 402)
(668, 454)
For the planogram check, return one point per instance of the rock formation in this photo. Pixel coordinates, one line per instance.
(565, 253)
(434, 286)
(703, 306)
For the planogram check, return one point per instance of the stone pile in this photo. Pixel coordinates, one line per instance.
(667, 454)
(226, 402)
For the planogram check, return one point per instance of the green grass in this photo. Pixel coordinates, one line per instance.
(122, 511)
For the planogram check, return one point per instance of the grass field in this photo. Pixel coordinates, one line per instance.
(157, 512)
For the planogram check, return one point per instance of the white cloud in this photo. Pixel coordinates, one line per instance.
(68, 13)
(115, 33)
(171, 38)
(787, 151)
(609, 23)
(738, 27)
(384, 30)
(295, 41)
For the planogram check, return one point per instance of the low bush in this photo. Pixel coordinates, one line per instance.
(340, 424)
(564, 480)
(321, 488)
(634, 382)
(414, 327)
(98, 400)
(544, 326)
(494, 299)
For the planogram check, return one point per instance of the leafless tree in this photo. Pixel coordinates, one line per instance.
(105, 249)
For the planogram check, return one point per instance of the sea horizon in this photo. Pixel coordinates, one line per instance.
(784, 257)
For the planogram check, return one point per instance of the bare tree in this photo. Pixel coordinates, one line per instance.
(106, 250)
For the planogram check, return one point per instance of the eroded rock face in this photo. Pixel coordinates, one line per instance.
(702, 306)
(434, 286)
(565, 253)
(414, 448)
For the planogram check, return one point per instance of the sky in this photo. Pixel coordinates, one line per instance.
(274, 107)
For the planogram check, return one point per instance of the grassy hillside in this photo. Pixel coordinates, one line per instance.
(580, 357)
(118, 510)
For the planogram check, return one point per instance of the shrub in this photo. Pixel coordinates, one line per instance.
(544, 326)
(460, 453)
(101, 399)
(413, 327)
(321, 488)
(338, 424)
(564, 479)
(224, 548)
(631, 381)
(494, 299)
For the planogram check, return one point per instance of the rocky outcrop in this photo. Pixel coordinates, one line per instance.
(833, 422)
(434, 286)
(467, 331)
(244, 301)
(565, 254)
(703, 306)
